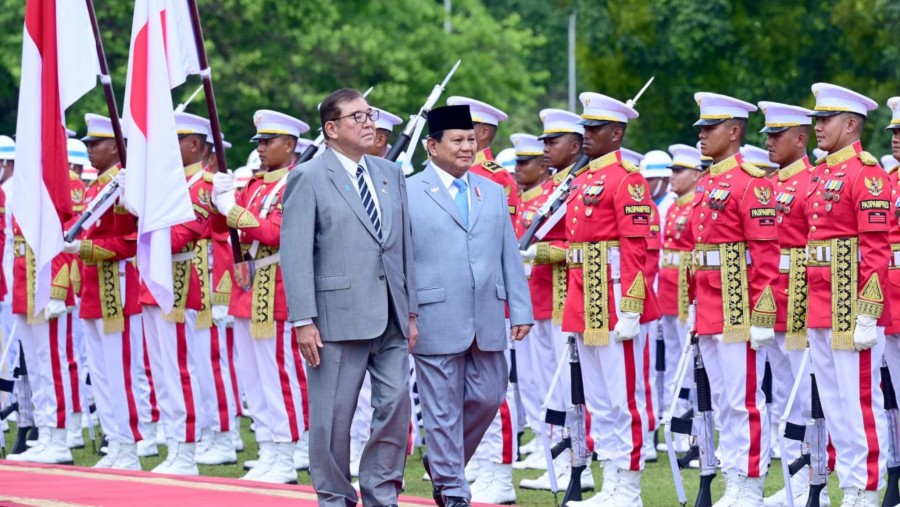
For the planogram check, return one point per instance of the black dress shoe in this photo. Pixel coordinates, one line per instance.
(457, 501)
(435, 492)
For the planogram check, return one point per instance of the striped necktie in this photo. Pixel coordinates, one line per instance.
(367, 201)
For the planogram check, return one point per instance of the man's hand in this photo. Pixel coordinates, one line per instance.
(73, 247)
(55, 308)
(121, 179)
(517, 333)
(222, 183)
(865, 336)
(309, 342)
(628, 327)
(529, 254)
(761, 336)
(413, 333)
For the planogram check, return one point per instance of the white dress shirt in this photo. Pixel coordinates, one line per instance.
(350, 166)
(447, 179)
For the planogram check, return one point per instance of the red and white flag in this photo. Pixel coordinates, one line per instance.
(162, 46)
(59, 65)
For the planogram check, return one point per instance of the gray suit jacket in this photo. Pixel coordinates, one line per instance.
(465, 275)
(335, 269)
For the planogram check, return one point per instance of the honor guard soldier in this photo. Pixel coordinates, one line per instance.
(787, 130)
(47, 345)
(736, 268)
(268, 360)
(486, 118)
(675, 272)
(849, 202)
(384, 126)
(110, 308)
(562, 137)
(607, 224)
(891, 164)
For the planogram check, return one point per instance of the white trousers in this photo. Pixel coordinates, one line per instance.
(849, 385)
(615, 395)
(651, 333)
(674, 335)
(735, 374)
(218, 406)
(81, 396)
(269, 370)
(47, 346)
(172, 348)
(785, 366)
(118, 379)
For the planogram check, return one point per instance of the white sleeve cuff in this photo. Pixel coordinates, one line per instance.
(302, 322)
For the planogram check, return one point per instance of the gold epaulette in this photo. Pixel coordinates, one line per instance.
(491, 166)
(630, 167)
(752, 170)
(867, 159)
(821, 160)
(207, 176)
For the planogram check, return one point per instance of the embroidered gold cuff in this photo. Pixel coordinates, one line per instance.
(90, 252)
(549, 254)
(58, 292)
(869, 308)
(121, 210)
(631, 305)
(240, 218)
(761, 319)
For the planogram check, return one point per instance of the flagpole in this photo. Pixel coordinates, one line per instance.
(212, 111)
(106, 81)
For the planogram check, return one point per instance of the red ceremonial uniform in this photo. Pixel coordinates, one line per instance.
(894, 237)
(485, 166)
(222, 255)
(651, 267)
(184, 237)
(607, 215)
(3, 286)
(540, 282)
(791, 183)
(734, 215)
(263, 194)
(678, 243)
(849, 197)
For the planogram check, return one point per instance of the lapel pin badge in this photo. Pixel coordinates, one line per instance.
(384, 181)
(384, 191)
(435, 190)
(346, 187)
(478, 193)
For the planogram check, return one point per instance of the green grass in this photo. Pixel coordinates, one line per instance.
(657, 486)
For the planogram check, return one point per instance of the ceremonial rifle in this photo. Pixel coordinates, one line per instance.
(553, 210)
(892, 493)
(110, 191)
(311, 150)
(405, 137)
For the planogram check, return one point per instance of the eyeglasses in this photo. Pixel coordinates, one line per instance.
(360, 117)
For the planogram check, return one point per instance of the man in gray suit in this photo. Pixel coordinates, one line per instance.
(348, 275)
(468, 268)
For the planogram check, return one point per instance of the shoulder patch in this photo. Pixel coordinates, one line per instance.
(872, 290)
(752, 170)
(491, 166)
(630, 167)
(821, 160)
(867, 159)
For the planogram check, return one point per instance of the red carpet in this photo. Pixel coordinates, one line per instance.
(66, 486)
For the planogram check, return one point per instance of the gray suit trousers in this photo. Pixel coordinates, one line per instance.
(333, 391)
(460, 396)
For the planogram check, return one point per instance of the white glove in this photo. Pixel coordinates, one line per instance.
(529, 254)
(55, 308)
(865, 336)
(224, 202)
(691, 316)
(219, 314)
(223, 183)
(73, 247)
(628, 327)
(121, 178)
(761, 336)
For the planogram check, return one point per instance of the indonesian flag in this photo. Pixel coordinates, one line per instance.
(59, 65)
(161, 59)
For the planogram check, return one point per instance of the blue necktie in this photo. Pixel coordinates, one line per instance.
(367, 200)
(462, 200)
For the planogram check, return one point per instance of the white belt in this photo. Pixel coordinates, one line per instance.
(267, 260)
(895, 258)
(123, 266)
(785, 262)
(672, 258)
(20, 249)
(712, 258)
(576, 255)
(183, 256)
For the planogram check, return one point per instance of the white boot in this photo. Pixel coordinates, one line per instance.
(854, 497)
(205, 442)
(473, 470)
(648, 450)
(534, 461)
(610, 482)
(112, 452)
(170, 457)
(732, 490)
(74, 435)
(219, 451)
(751, 492)
(235, 432)
(262, 465)
(157, 430)
(800, 490)
(147, 448)
(282, 470)
(183, 461)
(562, 465)
(127, 458)
(301, 452)
(42, 439)
(496, 484)
(51, 449)
(625, 490)
(534, 445)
